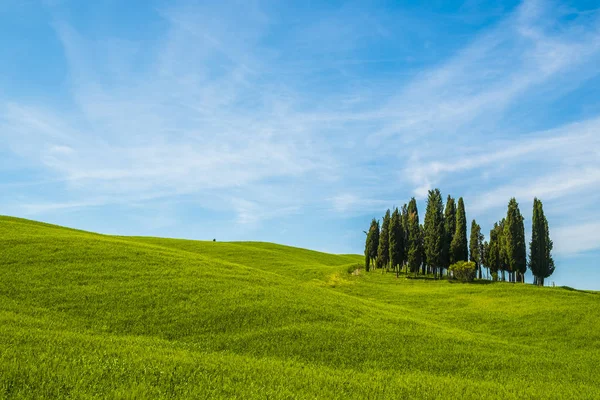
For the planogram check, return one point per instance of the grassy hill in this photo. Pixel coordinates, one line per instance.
(84, 315)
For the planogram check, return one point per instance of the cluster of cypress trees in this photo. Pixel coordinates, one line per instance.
(402, 243)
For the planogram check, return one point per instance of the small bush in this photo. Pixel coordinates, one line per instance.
(464, 271)
(352, 268)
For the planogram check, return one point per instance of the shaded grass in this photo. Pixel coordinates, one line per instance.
(86, 315)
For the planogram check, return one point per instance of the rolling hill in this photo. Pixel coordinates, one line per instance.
(85, 315)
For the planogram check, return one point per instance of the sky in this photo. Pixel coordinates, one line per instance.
(299, 122)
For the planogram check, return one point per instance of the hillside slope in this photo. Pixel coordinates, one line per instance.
(86, 315)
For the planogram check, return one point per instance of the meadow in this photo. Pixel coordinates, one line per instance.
(85, 315)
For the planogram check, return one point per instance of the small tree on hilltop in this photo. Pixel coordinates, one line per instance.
(449, 229)
(475, 242)
(541, 262)
(372, 243)
(396, 241)
(424, 263)
(515, 242)
(485, 249)
(459, 247)
(493, 253)
(367, 249)
(405, 226)
(433, 232)
(414, 237)
(383, 251)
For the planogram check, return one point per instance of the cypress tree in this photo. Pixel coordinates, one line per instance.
(459, 247)
(485, 249)
(367, 247)
(374, 240)
(493, 253)
(475, 244)
(449, 229)
(383, 251)
(433, 231)
(404, 218)
(424, 263)
(414, 237)
(541, 262)
(502, 249)
(515, 241)
(396, 241)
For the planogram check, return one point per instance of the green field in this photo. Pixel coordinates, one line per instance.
(84, 315)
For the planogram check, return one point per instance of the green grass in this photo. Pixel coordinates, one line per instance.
(84, 315)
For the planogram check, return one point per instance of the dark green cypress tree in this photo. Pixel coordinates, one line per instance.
(485, 249)
(374, 240)
(515, 242)
(404, 218)
(433, 231)
(503, 248)
(396, 241)
(414, 237)
(424, 263)
(367, 248)
(459, 247)
(414, 251)
(383, 251)
(493, 253)
(541, 262)
(449, 229)
(475, 242)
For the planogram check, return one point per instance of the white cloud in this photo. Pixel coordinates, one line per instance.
(575, 239)
(219, 115)
(469, 92)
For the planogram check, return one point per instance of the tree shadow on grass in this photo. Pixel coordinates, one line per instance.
(422, 278)
(431, 278)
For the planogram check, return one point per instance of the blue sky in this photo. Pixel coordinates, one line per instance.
(297, 122)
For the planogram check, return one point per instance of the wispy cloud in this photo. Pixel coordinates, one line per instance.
(575, 239)
(240, 114)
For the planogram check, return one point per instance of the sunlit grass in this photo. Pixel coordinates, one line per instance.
(85, 315)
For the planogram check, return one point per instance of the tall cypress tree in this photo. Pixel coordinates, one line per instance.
(433, 231)
(493, 253)
(449, 229)
(367, 248)
(404, 218)
(515, 241)
(503, 249)
(541, 262)
(475, 244)
(459, 247)
(485, 249)
(373, 242)
(383, 251)
(496, 256)
(414, 237)
(396, 241)
(424, 263)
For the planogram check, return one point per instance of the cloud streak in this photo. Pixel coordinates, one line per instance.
(239, 114)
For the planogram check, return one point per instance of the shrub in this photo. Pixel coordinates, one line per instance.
(353, 268)
(464, 271)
